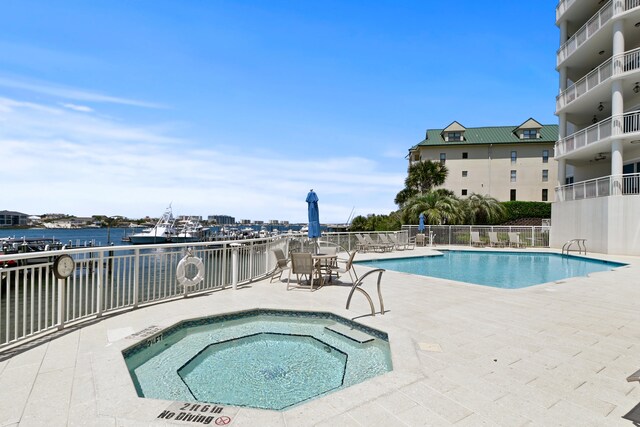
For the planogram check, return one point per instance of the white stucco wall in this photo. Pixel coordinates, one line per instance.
(610, 224)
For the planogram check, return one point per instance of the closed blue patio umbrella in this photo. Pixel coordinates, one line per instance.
(314, 215)
(421, 223)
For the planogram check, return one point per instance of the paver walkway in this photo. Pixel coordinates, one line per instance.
(463, 355)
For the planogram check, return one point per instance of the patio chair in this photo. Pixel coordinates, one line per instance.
(302, 265)
(348, 267)
(386, 242)
(395, 239)
(475, 239)
(362, 244)
(282, 264)
(494, 241)
(514, 240)
(421, 239)
(375, 246)
(328, 266)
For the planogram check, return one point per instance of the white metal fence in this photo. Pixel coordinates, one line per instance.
(461, 234)
(109, 279)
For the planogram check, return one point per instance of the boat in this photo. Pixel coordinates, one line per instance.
(163, 232)
(22, 245)
(190, 230)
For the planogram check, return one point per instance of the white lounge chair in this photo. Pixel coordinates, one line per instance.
(362, 244)
(421, 239)
(400, 245)
(494, 241)
(514, 240)
(475, 239)
(386, 243)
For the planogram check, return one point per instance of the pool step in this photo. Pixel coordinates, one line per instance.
(352, 334)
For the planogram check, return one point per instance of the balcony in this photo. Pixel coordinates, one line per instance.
(610, 10)
(562, 7)
(616, 66)
(625, 124)
(592, 26)
(627, 184)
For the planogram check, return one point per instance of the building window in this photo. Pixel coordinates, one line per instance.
(530, 134)
(454, 136)
(545, 195)
(465, 155)
(465, 173)
(464, 191)
(545, 175)
(568, 180)
(513, 176)
(512, 195)
(443, 158)
(514, 157)
(416, 157)
(545, 156)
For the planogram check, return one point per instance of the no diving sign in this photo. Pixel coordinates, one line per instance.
(198, 414)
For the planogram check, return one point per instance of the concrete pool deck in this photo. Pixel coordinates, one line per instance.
(463, 355)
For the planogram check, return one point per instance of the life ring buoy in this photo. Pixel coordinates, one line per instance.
(181, 275)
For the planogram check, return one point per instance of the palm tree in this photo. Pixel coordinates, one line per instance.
(438, 208)
(421, 178)
(425, 175)
(483, 209)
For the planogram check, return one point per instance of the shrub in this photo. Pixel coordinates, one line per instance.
(517, 210)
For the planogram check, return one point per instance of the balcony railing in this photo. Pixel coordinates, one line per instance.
(562, 7)
(589, 29)
(615, 66)
(585, 84)
(613, 126)
(604, 15)
(627, 184)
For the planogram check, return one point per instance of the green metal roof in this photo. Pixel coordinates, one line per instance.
(490, 135)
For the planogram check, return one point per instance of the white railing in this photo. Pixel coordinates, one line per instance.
(613, 126)
(112, 278)
(562, 7)
(627, 184)
(588, 30)
(530, 236)
(615, 66)
(108, 279)
(610, 10)
(585, 84)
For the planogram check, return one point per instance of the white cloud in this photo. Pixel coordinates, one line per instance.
(73, 93)
(74, 107)
(64, 160)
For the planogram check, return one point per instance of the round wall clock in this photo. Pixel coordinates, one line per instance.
(63, 266)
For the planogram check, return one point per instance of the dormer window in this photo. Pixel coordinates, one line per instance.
(454, 136)
(530, 129)
(453, 133)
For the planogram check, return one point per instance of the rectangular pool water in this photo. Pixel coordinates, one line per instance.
(507, 270)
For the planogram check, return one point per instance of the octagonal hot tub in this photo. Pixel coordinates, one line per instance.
(267, 359)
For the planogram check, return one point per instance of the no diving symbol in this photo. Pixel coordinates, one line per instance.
(223, 420)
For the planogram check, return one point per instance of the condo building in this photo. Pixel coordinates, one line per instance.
(598, 106)
(505, 162)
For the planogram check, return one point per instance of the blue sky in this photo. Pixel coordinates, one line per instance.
(240, 107)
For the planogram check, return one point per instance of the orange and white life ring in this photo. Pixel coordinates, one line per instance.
(181, 274)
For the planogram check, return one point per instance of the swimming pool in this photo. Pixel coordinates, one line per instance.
(507, 270)
(268, 359)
